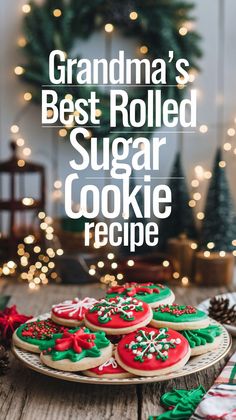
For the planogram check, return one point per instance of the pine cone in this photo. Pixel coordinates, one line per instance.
(4, 360)
(221, 311)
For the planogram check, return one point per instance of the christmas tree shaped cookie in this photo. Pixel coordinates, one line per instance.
(78, 350)
(153, 294)
(179, 317)
(71, 312)
(152, 352)
(203, 340)
(118, 315)
(31, 335)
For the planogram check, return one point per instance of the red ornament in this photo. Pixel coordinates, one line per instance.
(10, 320)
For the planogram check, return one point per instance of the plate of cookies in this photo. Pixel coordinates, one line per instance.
(135, 334)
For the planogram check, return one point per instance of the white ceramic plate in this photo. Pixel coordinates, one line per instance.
(204, 306)
(195, 364)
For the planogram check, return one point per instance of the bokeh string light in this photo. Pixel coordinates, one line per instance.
(36, 260)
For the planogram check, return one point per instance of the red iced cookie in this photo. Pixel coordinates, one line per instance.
(152, 352)
(118, 315)
(109, 369)
(71, 312)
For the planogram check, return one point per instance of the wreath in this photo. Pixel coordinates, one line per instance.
(56, 24)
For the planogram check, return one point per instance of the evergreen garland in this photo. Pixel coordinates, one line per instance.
(219, 223)
(157, 27)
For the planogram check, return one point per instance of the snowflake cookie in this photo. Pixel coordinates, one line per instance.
(151, 352)
(118, 315)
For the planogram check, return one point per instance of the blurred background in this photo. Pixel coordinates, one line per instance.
(21, 122)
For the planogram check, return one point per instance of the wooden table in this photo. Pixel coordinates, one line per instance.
(28, 395)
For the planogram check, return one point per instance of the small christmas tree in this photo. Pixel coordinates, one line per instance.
(219, 224)
(181, 219)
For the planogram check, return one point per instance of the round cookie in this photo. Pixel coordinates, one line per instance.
(203, 340)
(179, 317)
(109, 369)
(71, 312)
(153, 294)
(118, 315)
(152, 352)
(78, 350)
(31, 335)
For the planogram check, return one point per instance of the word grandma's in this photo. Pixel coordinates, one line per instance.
(112, 201)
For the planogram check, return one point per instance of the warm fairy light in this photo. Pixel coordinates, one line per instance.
(133, 15)
(88, 135)
(110, 256)
(98, 112)
(14, 129)
(96, 245)
(27, 201)
(21, 163)
(50, 113)
(193, 245)
(27, 151)
(227, 146)
(32, 285)
(6, 270)
(59, 252)
(51, 265)
(222, 253)
(120, 276)
(199, 171)
(203, 128)
(234, 253)
(165, 263)
(176, 275)
(62, 132)
(234, 242)
(206, 254)
(195, 183)
(109, 27)
(143, 49)
(20, 142)
(11, 264)
(197, 196)
(48, 220)
(69, 96)
(57, 184)
(22, 42)
(114, 265)
(27, 96)
(18, 70)
(24, 261)
(130, 263)
(231, 132)
(100, 264)
(38, 265)
(210, 245)
(43, 226)
(200, 215)
(183, 31)
(57, 12)
(29, 239)
(26, 8)
(192, 203)
(222, 164)
(41, 215)
(92, 272)
(207, 174)
(185, 281)
(49, 236)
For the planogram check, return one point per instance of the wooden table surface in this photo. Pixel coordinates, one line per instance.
(27, 395)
